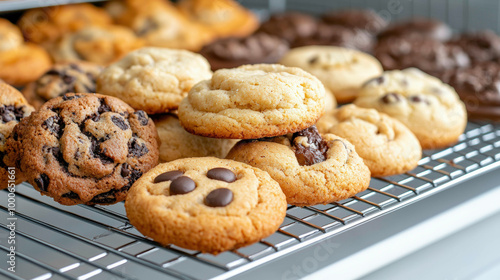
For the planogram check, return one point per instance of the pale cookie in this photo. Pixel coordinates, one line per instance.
(310, 168)
(342, 71)
(206, 204)
(13, 108)
(177, 143)
(427, 106)
(154, 79)
(253, 101)
(386, 145)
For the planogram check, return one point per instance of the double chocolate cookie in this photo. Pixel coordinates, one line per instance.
(253, 49)
(290, 26)
(206, 204)
(481, 46)
(418, 27)
(75, 77)
(85, 148)
(13, 108)
(310, 168)
(366, 20)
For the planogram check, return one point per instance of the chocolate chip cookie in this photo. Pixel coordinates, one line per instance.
(13, 108)
(310, 168)
(85, 148)
(427, 106)
(206, 204)
(62, 78)
(386, 145)
(253, 101)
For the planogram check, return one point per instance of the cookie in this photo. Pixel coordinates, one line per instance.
(253, 101)
(16, 56)
(233, 52)
(49, 23)
(386, 145)
(310, 168)
(427, 106)
(160, 24)
(13, 108)
(366, 20)
(477, 87)
(62, 78)
(418, 27)
(154, 79)
(341, 70)
(290, 26)
(225, 18)
(101, 45)
(428, 55)
(206, 204)
(337, 35)
(177, 143)
(481, 46)
(85, 148)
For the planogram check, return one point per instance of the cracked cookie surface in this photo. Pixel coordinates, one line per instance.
(206, 204)
(85, 148)
(310, 168)
(253, 101)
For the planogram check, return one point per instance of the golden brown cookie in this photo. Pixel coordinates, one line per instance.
(206, 204)
(13, 108)
(253, 101)
(430, 108)
(387, 146)
(21, 63)
(62, 78)
(84, 148)
(224, 17)
(154, 79)
(49, 23)
(310, 168)
(177, 143)
(342, 71)
(101, 45)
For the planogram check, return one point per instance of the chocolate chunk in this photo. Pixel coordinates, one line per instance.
(103, 107)
(125, 170)
(142, 117)
(71, 195)
(168, 176)
(75, 67)
(119, 122)
(314, 151)
(378, 80)
(53, 72)
(95, 149)
(219, 197)
(135, 149)
(313, 60)
(67, 79)
(54, 125)
(390, 98)
(77, 155)
(2, 163)
(104, 198)
(419, 99)
(42, 182)
(10, 112)
(182, 185)
(221, 174)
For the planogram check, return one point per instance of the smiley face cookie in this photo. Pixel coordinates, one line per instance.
(206, 204)
(431, 109)
(386, 145)
(310, 168)
(253, 101)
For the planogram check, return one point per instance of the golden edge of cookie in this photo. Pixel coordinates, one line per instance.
(207, 233)
(320, 183)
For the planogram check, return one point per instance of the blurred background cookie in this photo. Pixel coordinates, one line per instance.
(290, 26)
(365, 20)
(481, 46)
(418, 27)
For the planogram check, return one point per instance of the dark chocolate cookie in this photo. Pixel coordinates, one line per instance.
(429, 55)
(366, 20)
(479, 87)
(13, 108)
(290, 26)
(480, 46)
(254, 49)
(75, 77)
(85, 148)
(418, 27)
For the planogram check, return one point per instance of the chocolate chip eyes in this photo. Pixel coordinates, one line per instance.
(221, 174)
(168, 176)
(219, 197)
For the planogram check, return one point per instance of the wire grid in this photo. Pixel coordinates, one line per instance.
(97, 242)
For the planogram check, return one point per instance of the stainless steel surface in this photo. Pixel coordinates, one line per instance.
(98, 243)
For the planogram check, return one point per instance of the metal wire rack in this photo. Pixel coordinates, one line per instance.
(85, 242)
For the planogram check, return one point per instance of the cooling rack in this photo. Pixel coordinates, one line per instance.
(97, 242)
